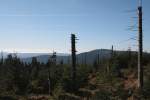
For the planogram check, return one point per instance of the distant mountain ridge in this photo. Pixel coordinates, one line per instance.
(85, 57)
(82, 58)
(28, 55)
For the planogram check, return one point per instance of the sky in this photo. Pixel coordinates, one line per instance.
(46, 25)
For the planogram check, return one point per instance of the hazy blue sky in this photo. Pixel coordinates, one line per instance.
(46, 25)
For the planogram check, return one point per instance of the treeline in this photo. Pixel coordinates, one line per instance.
(18, 78)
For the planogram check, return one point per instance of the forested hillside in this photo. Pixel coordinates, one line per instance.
(114, 78)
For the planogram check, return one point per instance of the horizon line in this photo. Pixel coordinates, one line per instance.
(51, 51)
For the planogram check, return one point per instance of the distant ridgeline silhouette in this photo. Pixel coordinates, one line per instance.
(86, 57)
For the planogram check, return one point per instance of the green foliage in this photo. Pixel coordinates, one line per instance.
(21, 79)
(81, 78)
(102, 95)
